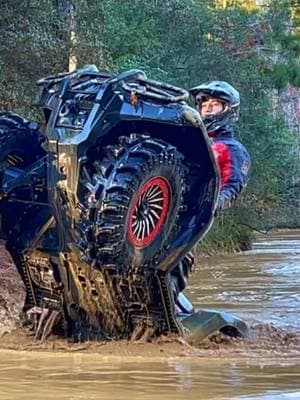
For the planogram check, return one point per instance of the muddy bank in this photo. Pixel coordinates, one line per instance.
(12, 293)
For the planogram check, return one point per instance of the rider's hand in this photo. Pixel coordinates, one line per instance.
(222, 204)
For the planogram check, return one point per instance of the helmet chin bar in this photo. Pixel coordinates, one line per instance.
(214, 122)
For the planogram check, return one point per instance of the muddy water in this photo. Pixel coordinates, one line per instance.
(261, 286)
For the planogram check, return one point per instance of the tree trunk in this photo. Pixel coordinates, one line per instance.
(67, 13)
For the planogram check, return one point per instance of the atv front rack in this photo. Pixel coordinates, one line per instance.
(155, 90)
(72, 95)
(81, 82)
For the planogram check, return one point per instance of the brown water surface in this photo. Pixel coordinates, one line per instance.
(261, 286)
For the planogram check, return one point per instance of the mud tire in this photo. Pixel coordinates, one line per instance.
(120, 181)
(20, 141)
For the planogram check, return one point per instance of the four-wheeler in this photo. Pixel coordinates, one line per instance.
(102, 202)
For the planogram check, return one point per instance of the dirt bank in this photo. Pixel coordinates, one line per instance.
(12, 293)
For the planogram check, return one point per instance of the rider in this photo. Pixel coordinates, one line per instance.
(218, 104)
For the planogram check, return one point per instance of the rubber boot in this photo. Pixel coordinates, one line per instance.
(202, 323)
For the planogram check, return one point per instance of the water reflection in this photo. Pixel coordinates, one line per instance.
(77, 377)
(89, 378)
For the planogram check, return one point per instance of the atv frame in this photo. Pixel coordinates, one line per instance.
(99, 208)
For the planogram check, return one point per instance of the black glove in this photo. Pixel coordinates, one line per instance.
(222, 203)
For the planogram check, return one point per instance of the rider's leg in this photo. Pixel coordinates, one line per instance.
(179, 279)
(201, 323)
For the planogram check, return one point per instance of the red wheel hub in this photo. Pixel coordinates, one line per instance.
(148, 211)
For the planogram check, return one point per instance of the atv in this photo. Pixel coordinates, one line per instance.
(101, 204)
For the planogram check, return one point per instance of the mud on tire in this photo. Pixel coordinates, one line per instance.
(133, 199)
(20, 141)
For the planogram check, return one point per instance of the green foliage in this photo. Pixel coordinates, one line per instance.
(283, 41)
(31, 46)
(184, 42)
(230, 233)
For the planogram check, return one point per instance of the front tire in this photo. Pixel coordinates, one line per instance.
(20, 141)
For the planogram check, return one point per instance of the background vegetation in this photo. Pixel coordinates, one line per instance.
(184, 42)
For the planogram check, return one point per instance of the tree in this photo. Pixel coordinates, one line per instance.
(30, 48)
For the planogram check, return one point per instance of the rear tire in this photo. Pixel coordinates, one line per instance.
(133, 199)
(20, 146)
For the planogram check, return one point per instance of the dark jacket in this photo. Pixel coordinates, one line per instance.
(233, 161)
(234, 165)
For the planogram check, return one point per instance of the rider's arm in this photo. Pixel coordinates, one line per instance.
(234, 164)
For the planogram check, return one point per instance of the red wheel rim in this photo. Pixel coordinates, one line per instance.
(148, 211)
